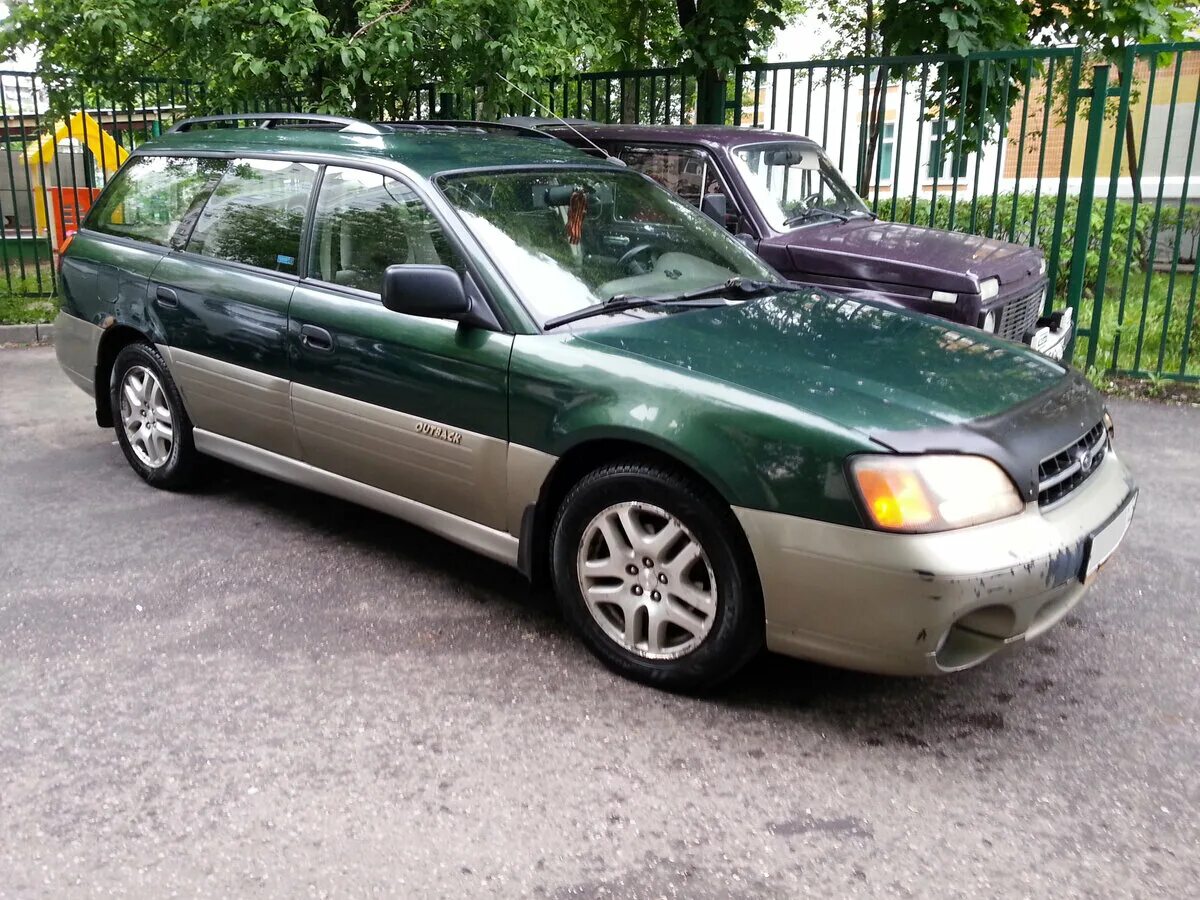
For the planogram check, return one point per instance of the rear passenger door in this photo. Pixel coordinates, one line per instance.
(415, 406)
(223, 299)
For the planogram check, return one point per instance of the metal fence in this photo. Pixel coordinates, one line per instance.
(1096, 165)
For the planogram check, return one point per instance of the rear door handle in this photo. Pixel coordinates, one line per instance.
(315, 338)
(166, 297)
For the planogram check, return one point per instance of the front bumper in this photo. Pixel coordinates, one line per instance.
(929, 603)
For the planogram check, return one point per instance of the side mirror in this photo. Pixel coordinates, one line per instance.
(435, 292)
(716, 207)
(746, 241)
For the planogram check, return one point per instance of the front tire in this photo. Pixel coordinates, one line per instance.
(152, 426)
(650, 570)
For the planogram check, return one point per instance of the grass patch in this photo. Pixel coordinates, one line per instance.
(25, 301)
(1134, 341)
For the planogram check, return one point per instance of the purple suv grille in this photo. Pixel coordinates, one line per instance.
(1018, 317)
(1066, 470)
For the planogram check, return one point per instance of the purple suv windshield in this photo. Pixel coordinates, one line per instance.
(796, 184)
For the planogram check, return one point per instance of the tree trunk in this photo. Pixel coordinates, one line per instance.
(875, 128)
(1131, 153)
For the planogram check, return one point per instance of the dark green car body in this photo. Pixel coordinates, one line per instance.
(478, 431)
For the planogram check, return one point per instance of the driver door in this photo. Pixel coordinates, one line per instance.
(415, 406)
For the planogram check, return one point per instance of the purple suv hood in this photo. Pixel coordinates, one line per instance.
(874, 251)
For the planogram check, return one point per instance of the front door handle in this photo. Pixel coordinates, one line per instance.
(166, 297)
(315, 338)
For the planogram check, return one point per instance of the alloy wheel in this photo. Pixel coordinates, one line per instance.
(146, 417)
(647, 581)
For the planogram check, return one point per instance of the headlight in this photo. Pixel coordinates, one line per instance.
(1042, 266)
(989, 288)
(989, 322)
(1109, 426)
(937, 492)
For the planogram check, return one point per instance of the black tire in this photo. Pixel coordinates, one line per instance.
(181, 462)
(736, 632)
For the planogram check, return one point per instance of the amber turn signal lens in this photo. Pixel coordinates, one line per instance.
(896, 499)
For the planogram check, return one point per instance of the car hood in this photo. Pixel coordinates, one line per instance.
(861, 365)
(877, 251)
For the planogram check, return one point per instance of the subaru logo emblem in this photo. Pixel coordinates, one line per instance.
(1085, 460)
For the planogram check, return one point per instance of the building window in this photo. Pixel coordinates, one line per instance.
(887, 144)
(941, 152)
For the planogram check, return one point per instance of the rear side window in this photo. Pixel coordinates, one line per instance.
(256, 214)
(155, 198)
(366, 222)
(687, 173)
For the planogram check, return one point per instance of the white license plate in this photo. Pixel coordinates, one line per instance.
(1051, 342)
(1105, 541)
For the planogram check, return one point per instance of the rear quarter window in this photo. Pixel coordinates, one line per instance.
(256, 214)
(155, 198)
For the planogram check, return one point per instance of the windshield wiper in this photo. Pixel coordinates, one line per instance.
(622, 302)
(817, 210)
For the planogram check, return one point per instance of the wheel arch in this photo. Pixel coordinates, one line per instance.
(115, 339)
(587, 456)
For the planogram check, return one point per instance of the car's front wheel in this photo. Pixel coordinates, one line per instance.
(649, 570)
(152, 426)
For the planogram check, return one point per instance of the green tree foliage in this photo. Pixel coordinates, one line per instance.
(336, 55)
(366, 56)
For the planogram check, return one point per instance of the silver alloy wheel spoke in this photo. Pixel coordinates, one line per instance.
(146, 417)
(647, 581)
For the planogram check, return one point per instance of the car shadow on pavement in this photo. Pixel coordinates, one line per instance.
(924, 713)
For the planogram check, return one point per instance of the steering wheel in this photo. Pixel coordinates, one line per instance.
(812, 201)
(629, 257)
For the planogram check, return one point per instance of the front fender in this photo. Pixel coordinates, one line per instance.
(756, 451)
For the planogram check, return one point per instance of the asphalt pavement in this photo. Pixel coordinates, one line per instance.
(252, 690)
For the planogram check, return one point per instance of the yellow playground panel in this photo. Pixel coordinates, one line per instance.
(106, 152)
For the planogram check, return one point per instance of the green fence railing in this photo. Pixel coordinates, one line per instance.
(1095, 165)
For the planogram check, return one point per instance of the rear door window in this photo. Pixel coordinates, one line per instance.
(365, 222)
(156, 198)
(686, 173)
(256, 214)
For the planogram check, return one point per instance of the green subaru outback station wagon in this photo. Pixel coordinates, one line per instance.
(552, 361)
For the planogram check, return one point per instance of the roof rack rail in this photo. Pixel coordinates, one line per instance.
(479, 125)
(271, 120)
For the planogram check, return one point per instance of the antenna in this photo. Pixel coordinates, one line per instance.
(608, 156)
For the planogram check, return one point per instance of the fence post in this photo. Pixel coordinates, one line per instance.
(1083, 211)
(1118, 146)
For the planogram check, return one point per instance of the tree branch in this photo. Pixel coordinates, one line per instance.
(396, 10)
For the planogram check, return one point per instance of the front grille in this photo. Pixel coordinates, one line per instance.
(1018, 317)
(1066, 470)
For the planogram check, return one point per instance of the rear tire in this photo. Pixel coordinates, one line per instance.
(152, 427)
(651, 571)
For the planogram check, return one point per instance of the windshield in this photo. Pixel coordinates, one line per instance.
(567, 239)
(796, 184)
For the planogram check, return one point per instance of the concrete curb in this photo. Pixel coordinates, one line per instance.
(27, 334)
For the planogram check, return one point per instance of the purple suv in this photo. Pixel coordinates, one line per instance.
(782, 195)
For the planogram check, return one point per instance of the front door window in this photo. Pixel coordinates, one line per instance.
(366, 222)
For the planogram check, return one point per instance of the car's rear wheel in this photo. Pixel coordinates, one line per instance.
(649, 569)
(152, 426)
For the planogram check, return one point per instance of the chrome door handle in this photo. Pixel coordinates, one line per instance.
(166, 297)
